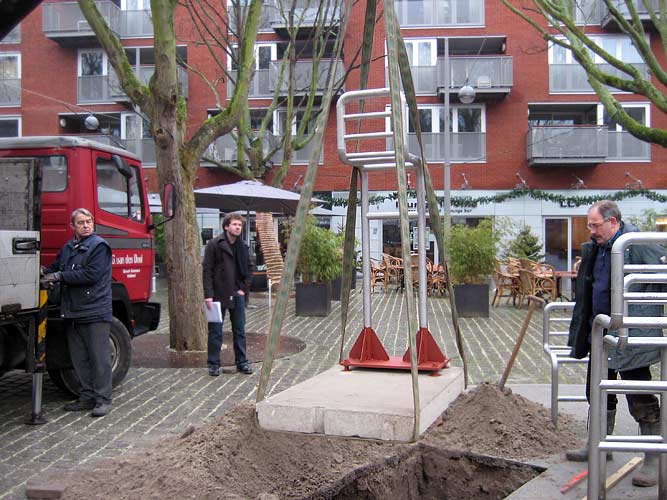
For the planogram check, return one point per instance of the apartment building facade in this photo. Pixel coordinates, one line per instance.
(535, 122)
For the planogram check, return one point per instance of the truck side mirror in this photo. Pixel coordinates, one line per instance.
(168, 201)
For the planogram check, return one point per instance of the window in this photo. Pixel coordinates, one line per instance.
(618, 46)
(10, 126)
(279, 122)
(92, 63)
(264, 54)
(117, 193)
(54, 173)
(10, 66)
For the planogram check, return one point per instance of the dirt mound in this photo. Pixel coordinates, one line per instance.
(232, 458)
(500, 423)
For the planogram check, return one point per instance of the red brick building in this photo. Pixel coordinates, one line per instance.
(534, 122)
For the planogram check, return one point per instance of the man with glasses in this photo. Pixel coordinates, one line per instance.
(593, 297)
(83, 271)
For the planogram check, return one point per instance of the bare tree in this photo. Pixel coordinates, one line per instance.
(563, 23)
(178, 158)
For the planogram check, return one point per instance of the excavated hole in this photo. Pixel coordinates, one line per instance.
(427, 473)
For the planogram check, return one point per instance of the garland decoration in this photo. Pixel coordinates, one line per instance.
(536, 194)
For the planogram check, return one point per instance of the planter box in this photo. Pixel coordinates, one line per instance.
(336, 286)
(313, 299)
(472, 301)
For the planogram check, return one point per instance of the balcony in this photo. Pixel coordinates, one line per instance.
(464, 146)
(64, 22)
(440, 13)
(308, 14)
(10, 91)
(107, 88)
(572, 78)
(567, 145)
(136, 23)
(304, 75)
(625, 147)
(259, 85)
(607, 21)
(224, 150)
(144, 148)
(264, 19)
(490, 76)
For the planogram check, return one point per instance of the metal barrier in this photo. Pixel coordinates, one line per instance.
(619, 320)
(558, 351)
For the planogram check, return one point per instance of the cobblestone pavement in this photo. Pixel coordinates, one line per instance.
(155, 402)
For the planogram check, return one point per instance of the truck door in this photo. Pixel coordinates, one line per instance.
(121, 219)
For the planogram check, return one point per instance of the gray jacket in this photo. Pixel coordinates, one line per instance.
(582, 317)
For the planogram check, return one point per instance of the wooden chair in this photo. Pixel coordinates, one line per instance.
(379, 275)
(437, 280)
(394, 266)
(532, 284)
(507, 285)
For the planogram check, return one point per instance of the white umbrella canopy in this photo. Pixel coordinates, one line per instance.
(248, 195)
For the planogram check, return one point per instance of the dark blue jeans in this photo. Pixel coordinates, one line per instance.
(237, 316)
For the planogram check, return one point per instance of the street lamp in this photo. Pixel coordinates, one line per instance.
(466, 96)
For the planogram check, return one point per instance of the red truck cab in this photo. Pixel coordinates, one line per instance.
(108, 181)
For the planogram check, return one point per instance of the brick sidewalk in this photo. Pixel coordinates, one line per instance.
(155, 402)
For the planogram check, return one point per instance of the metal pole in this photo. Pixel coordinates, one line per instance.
(446, 205)
(421, 239)
(365, 250)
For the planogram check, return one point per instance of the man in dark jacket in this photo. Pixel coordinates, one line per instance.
(83, 270)
(227, 276)
(593, 297)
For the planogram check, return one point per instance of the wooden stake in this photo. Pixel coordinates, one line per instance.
(616, 477)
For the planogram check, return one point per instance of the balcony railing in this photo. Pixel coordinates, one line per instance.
(584, 145)
(259, 85)
(264, 19)
(64, 20)
(608, 21)
(136, 23)
(307, 14)
(10, 91)
(304, 75)
(14, 36)
(224, 150)
(486, 74)
(465, 146)
(142, 147)
(107, 88)
(625, 147)
(441, 13)
(570, 78)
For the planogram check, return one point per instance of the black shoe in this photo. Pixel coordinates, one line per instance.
(214, 371)
(79, 406)
(245, 369)
(101, 409)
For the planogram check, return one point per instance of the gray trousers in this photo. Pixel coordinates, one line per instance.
(91, 357)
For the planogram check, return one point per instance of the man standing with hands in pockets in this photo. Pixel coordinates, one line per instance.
(227, 274)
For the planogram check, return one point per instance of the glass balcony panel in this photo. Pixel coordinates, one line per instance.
(625, 11)
(479, 71)
(568, 78)
(566, 143)
(264, 20)
(10, 91)
(136, 23)
(306, 13)
(465, 146)
(304, 74)
(440, 12)
(66, 17)
(624, 146)
(259, 85)
(98, 88)
(142, 147)
(423, 77)
(588, 12)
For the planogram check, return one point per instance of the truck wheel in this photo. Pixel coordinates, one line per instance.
(121, 355)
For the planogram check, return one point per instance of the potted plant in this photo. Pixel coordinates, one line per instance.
(320, 261)
(472, 252)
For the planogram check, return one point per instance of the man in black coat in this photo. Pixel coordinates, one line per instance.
(83, 270)
(593, 297)
(227, 275)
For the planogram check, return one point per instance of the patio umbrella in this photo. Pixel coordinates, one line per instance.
(248, 196)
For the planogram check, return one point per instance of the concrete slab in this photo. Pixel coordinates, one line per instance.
(375, 404)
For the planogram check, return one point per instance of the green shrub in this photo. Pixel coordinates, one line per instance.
(321, 254)
(472, 252)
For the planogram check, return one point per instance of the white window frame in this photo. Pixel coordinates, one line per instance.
(17, 118)
(619, 128)
(569, 58)
(415, 50)
(142, 5)
(105, 61)
(274, 53)
(17, 55)
(437, 109)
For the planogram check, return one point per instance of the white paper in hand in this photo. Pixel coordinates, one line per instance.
(214, 314)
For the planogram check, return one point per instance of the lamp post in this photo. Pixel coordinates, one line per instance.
(466, 96)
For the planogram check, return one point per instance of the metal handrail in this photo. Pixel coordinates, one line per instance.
(620, 321)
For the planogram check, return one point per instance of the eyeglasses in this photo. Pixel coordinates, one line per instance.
(596, 225)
